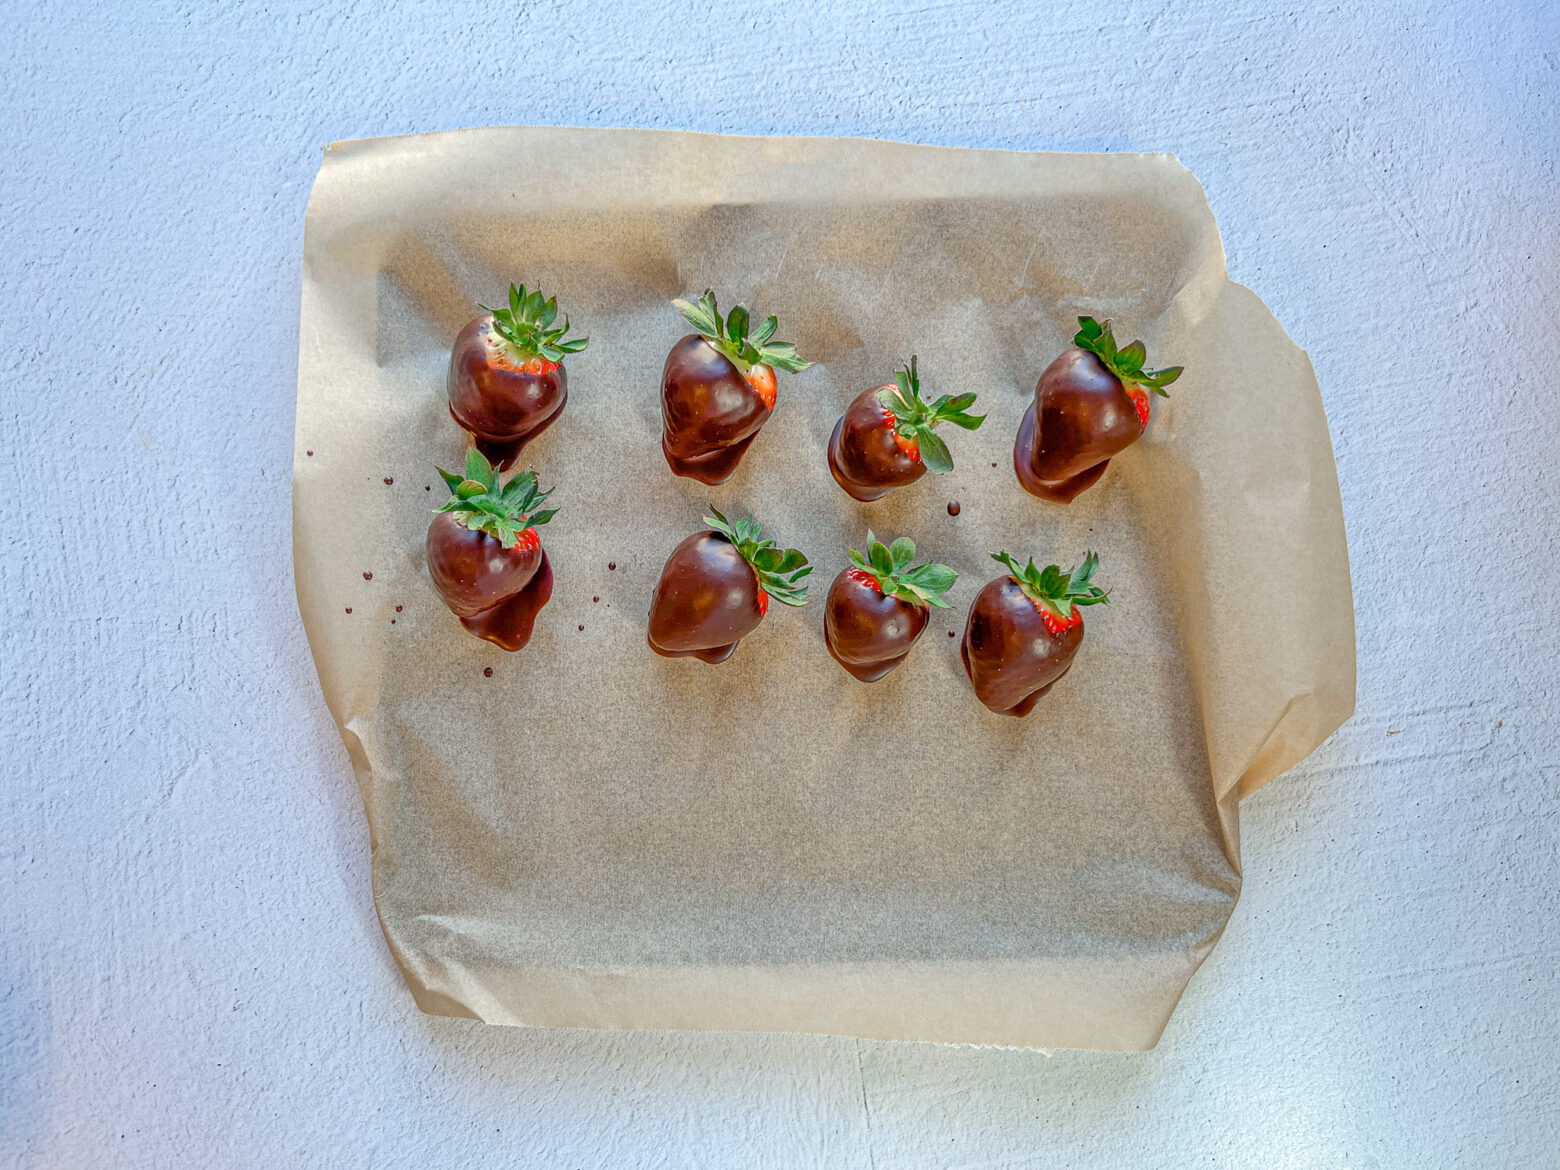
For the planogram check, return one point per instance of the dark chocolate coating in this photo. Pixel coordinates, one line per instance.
(1011, 658)
(867, 633)
(706, 600)
(709, 412)
(495, 591)
(865, 459)
(503, 409)
(1080, 418)
(508, 624)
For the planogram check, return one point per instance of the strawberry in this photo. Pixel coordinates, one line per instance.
(718, 388)
(716, 587)
(1090, 404)
(879, 606)
(485, 555)
(1024, 629)
(886, 437)
(506, 381)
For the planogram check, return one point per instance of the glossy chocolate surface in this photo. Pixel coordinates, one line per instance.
(1081, 417)
(709, 412)
(502, 408)
(1009, 655)
(508, 624)
(867, 633)
(865, 459)
(496, 592)
(472, 570)
(705, 602)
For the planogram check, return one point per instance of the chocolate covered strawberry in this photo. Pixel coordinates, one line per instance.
(1024, 629)
(506, 382)
(485, 555)
(879, 606)
(1090, 404)
(719, 388)
(887, 436)
(716, 588)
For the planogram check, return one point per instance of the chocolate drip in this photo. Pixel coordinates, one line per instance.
(508, 624)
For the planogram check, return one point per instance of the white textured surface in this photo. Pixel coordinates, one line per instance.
(190, 970)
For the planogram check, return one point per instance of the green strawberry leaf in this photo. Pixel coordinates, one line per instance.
(768, 559)
(778, 570)
(890, 567)
(737, 323)
(527, 326)
(917, 418)
(731, 337)
(934, 452)
(932, 578)
(1126, 363)
(479, 503)
(1055, 589)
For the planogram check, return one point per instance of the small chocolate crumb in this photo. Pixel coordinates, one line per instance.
(953, 507)
(582, 627)
(487, 671)
(398, 609)
(349, 609)
(611, 565)
(950, 633)
(389, 479)
(368, 576)
(595, 599)
(427, 487)
(993, 464)
(392, 621)
(308, 452)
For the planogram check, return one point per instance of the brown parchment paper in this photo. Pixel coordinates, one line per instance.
(597, 836)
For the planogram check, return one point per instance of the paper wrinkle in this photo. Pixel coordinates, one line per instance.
(598, 837)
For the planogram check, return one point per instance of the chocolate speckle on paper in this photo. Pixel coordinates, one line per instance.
(487, 672)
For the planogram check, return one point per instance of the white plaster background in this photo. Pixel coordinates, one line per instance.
(190, 969)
